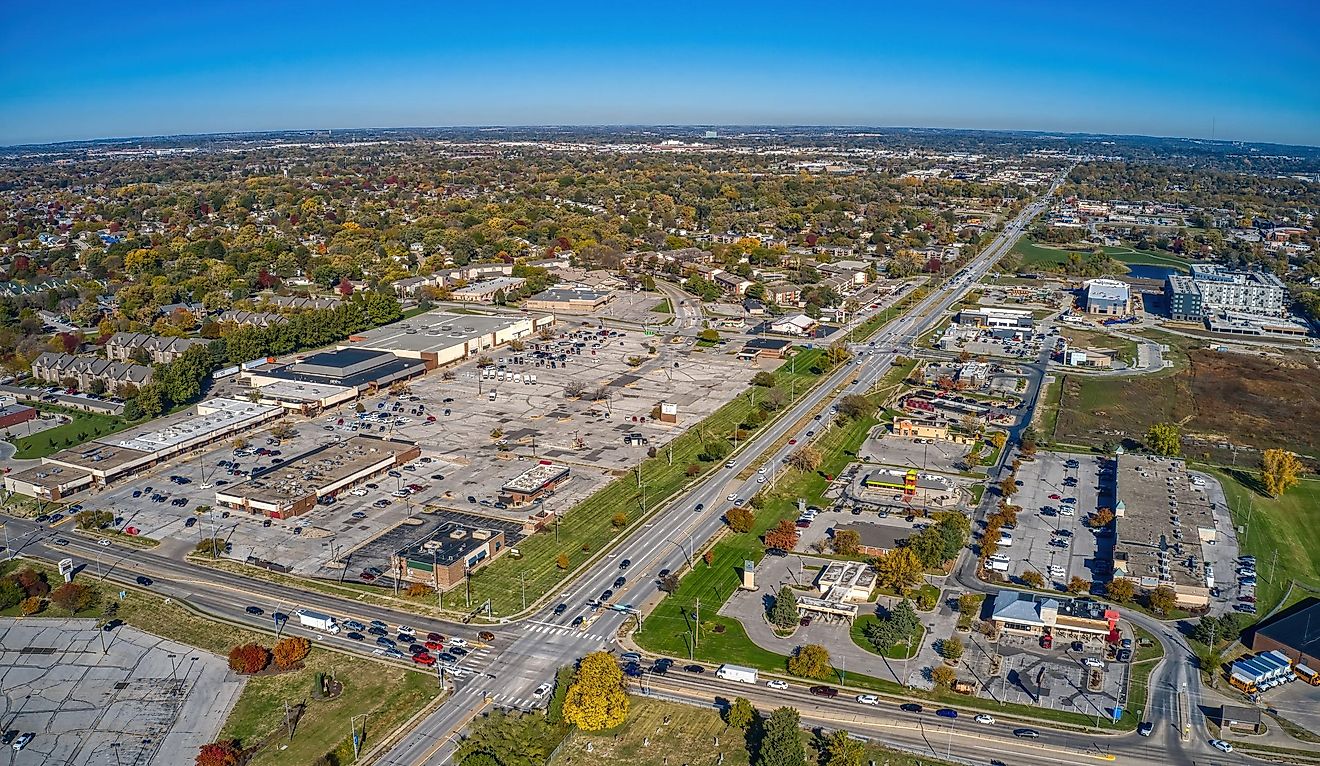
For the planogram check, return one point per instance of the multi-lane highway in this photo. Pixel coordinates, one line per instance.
(676, 532)
(526, 652)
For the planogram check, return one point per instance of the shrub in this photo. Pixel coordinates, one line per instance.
(291, 651)
(249, 658)
(73, 596)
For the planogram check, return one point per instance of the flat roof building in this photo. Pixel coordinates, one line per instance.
(534, 483)
(569, 299)
(876, 539)
(1212, 288)
(1295, 632)
(850, 581)
(1163, 517)
(766, 348)
(294, 487)
(440, 337)
(487, 290)
(443, 558)
(996, 317)
(122, 455)
(1037, 615)
(357, 368)
(1107, 296)
(303, 397)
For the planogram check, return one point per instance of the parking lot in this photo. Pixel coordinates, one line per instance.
(145, 701)
(1057, 493)
(924, 454)
(1054, 678)
(476, 434)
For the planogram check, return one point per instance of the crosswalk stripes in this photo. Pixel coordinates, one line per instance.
(477, 690)
(550, 630)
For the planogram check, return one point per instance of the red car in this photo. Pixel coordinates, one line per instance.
(435, 646)
(1056, 496)
(792, 441)
(436, 637)
(422, 658)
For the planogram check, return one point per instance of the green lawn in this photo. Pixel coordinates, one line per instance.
(663, 307)
(659, 733)
(669, 628)
(84, 426)
(1036, 254)
(898, 651)
(1288, 525)
(588, 525)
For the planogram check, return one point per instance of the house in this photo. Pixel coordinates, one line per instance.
(794, 324)
(1239, 718)
(297, 302)
(56, 368)
(159, 349)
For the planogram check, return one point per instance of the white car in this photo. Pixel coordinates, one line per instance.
(985, 719)
(731, 498)
(868, 699)
(1221, 745)
(103, 542)
(359, 492)
(760, 479)
(761, 469)
(456, 641)
(541, 691)
(777, 684)
(405, 630)
(1093, 662)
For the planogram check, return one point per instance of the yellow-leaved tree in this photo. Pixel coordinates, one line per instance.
(1279, 470)
(596, 699)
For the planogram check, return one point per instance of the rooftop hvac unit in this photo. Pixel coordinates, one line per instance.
(457, 534)
(481, 534)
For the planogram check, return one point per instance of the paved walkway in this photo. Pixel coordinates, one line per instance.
(749, 608)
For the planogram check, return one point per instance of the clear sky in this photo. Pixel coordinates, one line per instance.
(72, 70)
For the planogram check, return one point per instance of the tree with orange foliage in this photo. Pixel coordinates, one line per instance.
(291, 651)
(223, 753)
(783, 537)
(249, 658)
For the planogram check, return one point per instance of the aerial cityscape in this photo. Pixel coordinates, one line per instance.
(701, 386)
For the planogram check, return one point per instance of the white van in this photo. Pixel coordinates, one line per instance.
(492, 396)
(1005, 540)
(517, 378)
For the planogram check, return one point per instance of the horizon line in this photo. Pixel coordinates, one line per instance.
(621, 125)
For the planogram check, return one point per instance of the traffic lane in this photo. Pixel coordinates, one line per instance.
(125, 565)
(923, 733)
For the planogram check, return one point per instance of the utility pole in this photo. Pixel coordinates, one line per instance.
(522, 585)
(1274, 562)
(357, 739)
(696, 634)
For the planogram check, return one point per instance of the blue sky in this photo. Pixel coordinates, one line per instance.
(75, 71)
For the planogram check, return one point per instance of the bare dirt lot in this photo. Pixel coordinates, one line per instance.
(1246, 400)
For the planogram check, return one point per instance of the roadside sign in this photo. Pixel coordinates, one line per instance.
(66, 569)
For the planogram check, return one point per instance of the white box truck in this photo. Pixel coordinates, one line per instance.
(998, 562)
(736, 673)
(317, 621)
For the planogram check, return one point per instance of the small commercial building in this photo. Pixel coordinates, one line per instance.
(569, 299)
(48, 482)
(909, 484)
(765, 348)
(1109, 297)
(920, 429)
(794, 324)
(876, 539)
(1239, 718)
(534, 483)
(1261, 672)
(988, 317)
(1032, 614)
(303, 397)
(444, 557)
(295, 487)
(13, 414)
(850, 581)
